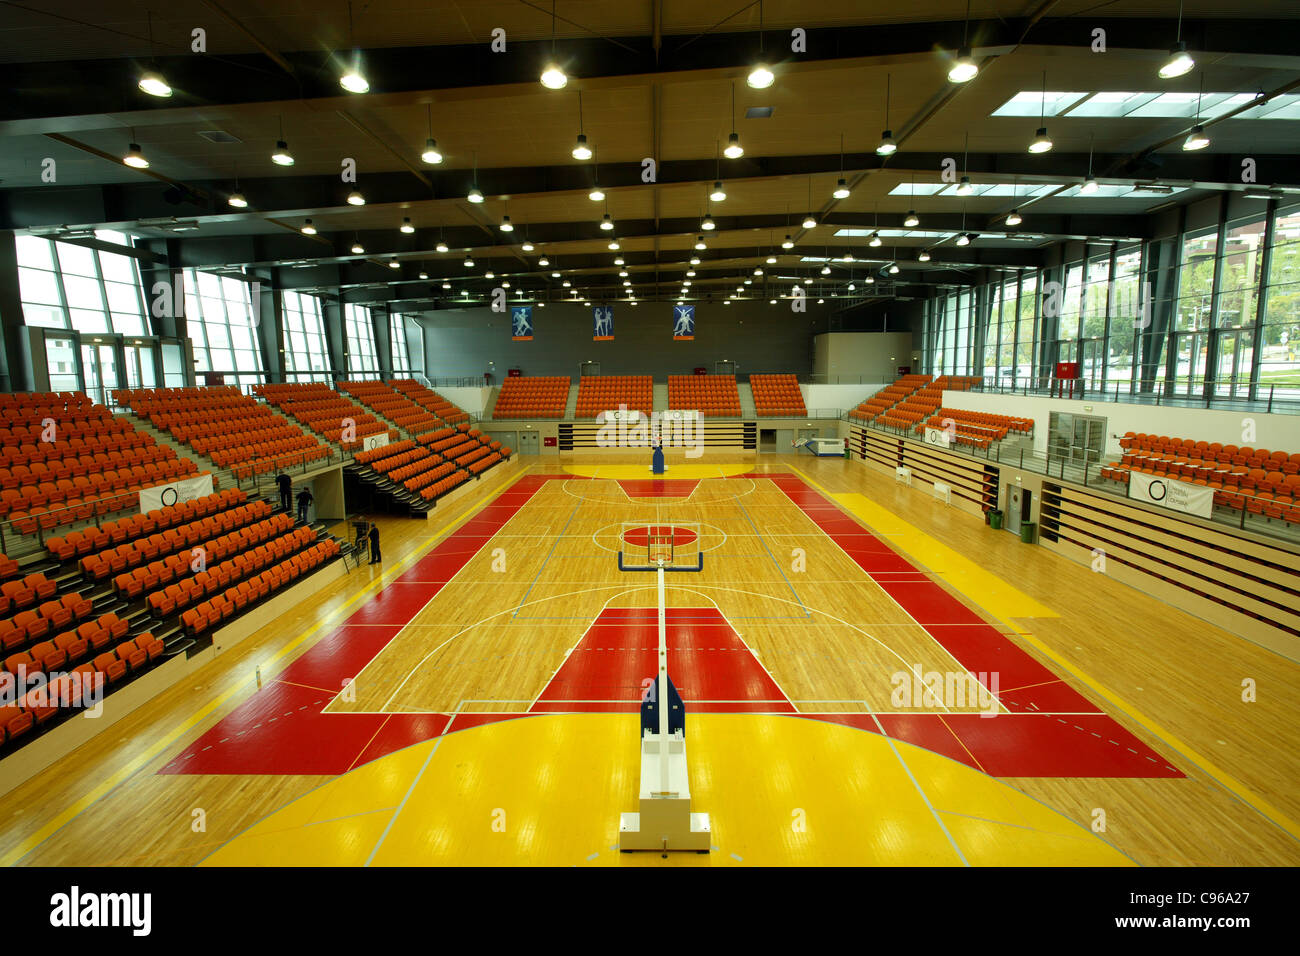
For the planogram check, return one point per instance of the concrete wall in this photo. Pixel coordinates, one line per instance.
(756, 336)
(875, 356)
(844, 397)
(1275, 432)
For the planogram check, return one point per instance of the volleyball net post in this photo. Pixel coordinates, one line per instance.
(664, 820)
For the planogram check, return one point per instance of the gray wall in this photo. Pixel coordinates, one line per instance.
(756, 336)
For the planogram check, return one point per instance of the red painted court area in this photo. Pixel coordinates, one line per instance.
(658, 487)
(712, 669)
(1051, 731)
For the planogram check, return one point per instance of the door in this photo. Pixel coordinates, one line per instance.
(1189, 362)
(589, 368)
(1015, 503)
(139, 364)
(529, 443)
(99, 370)
(61, 363)
(1232, 379)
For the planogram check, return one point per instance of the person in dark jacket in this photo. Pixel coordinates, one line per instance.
(286, 491)
(304, 503)
(374, 543)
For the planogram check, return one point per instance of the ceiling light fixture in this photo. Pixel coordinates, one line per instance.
(788, 243)
(910, 220)
(152, 83)
(707, 223)
(887, 145)
(1013, 219)
(1042, 142)
(734, 150)
(924, 256)
(553, 77)
(135, 156)
(506, 224)
(1179, 62)
(699, 243)
(308, 229)
(963, 68)
(1197, 139)
(717, 194)
(356, 199)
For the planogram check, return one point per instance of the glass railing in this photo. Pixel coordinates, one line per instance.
(1083, 467)
(1280, 399)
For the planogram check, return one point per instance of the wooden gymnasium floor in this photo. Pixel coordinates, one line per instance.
(496, 660)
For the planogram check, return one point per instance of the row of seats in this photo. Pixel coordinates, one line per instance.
(64, 695)
(602, 393)
(171, 598)
(210, 613)
(78, 463)
(99, 563)
(11, 401)
(371, 455)
(227, 426)
(68, 647)
(324, 411)
(87, 540)
(8, 567)
(889, 396)
(25, 592)
(1244, 455)
(32, 625)
(710, 395)
(532, 397)
(478, 467)
(21, 448)
(429, 399)
(443, 485)
(395, 407)
(777, 396)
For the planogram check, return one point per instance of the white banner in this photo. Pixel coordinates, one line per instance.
(621, 415)
(681, 416)
(378, 440)
(1168, 493)
(187, 489)
(937, 436)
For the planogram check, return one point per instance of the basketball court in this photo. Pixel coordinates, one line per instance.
(475, 702)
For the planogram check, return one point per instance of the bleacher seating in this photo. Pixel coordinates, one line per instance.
(712, 395)
(437, 462)
(535, 397)
(230, 428)
(888, 396)
(603, 393)
(777, 396)
(324, 411)
(1256, 480)
(64, 460)
(430, 400)
(395, 407)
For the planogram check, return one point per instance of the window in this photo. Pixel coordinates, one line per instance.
(1279, 340)
(304, 339)
(68, 286)
(397, 342)
(361, 343)
(222, 326)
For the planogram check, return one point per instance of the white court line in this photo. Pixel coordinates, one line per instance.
(934, 639)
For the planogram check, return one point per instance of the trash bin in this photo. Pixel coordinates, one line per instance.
(995, 519)
(1027, 529)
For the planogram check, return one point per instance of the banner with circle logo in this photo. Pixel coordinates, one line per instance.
(1172, 494)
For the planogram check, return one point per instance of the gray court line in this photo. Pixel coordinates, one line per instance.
(775, 563)
(396, 813)
(908, 770)
(555, 544)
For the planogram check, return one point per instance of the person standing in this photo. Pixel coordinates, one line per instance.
(285, 484)
(304, 503)
(374, 543)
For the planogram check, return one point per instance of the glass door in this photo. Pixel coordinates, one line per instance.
(1232, 379)
(1092, 366)
(61, 363)
(140, 363)
(100, 370)
(1189, 358)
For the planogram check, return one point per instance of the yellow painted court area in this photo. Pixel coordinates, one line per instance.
(549, 789)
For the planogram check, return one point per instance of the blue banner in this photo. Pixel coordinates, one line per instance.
(683, 323)
(602, 323)
(521, 318)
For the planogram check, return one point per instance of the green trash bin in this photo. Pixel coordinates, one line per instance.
(995, 519)
(1027, 529)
